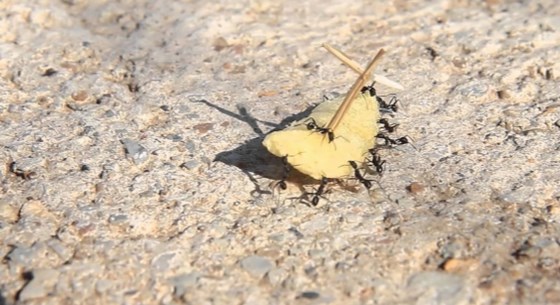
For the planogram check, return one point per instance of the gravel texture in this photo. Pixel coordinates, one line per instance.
(130, 132)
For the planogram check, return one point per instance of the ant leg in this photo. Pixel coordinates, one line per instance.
(387, 126)
(320, 191)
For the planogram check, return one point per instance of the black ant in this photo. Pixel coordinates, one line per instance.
(364, 181)
(391, 106)
(24, 174)
(387, 126)
(320, 191)
(389, 141)
(312, 125)
(286, 166)
(376, 161)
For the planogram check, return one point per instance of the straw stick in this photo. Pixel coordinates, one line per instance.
(351, 95)
(356, 67)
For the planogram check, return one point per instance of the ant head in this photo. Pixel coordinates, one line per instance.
(369, 89)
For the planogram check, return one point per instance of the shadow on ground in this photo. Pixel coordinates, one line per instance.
(252, 157)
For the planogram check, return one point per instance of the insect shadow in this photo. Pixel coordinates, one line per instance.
(252, 157)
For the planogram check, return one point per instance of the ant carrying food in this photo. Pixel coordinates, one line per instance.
(312, 125)
(388, 127)
(376, 161)
(359, 176)
(391, 106)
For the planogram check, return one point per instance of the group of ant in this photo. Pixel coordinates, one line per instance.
(376, 163)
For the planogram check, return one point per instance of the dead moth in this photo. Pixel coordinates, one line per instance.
(335, 140)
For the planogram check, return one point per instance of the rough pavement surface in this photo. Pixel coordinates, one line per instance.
(133, 173)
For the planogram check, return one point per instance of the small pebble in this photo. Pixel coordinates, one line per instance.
(191, 147)
(276, 276)
(101, 286)
(49, 72)
(163, 261)
(135, 151)
(415, 188)
(474, 88)
(433, 287)
(110, 113)
(117, 218)
(184, 281)
(311, 295)
(458, 265)
(80, 96)
(175, 138)
(316, 224)
(256, 265)
(192, 164)
(503, 94)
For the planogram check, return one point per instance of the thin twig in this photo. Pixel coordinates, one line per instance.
(356, 67)
(351, 95)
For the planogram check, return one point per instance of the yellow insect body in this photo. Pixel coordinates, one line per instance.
(311, 153)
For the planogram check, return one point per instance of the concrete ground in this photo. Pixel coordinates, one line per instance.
(132, 170)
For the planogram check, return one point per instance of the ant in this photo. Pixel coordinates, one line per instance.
(387, 126)
(391, 106)
(364, 181)
(320, 191)
(21, 173)
(286, 166)
(389, 141)
(312, 125)
(376, 161)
